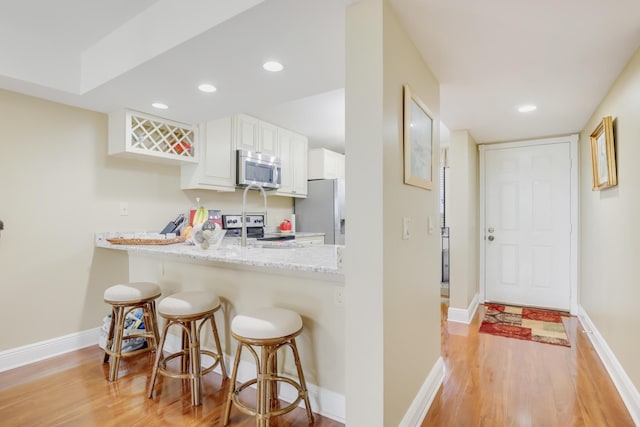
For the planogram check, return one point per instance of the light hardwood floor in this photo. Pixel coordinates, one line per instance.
(489, 381)
(497, 381)
(72, 390)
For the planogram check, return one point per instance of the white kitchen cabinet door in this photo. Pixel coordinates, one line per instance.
(299, 158)
(247, 133)
(268, 141)
(285, 138)
(311, 240)
(325, 164)
(257, 136)
(293, 153)
(217, 168)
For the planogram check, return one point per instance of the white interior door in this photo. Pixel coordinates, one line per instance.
(527, 221)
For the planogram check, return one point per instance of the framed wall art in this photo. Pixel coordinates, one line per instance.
(603, 155)
(418, 142)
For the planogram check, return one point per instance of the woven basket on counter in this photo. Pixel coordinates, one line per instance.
(142, 241)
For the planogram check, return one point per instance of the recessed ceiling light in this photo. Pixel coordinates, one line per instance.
(159, 105)
(527, 108)
(273, 66)
(208, 88)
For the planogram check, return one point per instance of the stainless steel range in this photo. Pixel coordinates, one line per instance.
(233, 225)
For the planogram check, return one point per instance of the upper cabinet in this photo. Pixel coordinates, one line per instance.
(146, 137)
(325, 164)
(217, 167)
(219, 140)
(256, 135)
(293, 152)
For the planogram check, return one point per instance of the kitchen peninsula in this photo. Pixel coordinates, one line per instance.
(306, 278)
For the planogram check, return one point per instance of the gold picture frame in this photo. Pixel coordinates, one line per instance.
(603, 155)
(418, 141)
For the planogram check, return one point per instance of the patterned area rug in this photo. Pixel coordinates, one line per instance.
(524, 324)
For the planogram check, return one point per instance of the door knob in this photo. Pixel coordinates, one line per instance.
(491, 238)
(490, 230)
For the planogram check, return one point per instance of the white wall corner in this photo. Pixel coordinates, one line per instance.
(464, 315)
(20, 356)
(629, 393)
(423, 400)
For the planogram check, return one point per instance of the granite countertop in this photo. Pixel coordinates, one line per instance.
(319, 260)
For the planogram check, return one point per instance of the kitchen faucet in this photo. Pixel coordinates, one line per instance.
(243, 239)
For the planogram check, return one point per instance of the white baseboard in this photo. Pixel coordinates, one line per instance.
(628, 392)
(20, 356)
(324, 402)
(422, 402)
(463, 315)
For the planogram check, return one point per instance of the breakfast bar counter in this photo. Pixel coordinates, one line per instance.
(307, 259)
(306, 278)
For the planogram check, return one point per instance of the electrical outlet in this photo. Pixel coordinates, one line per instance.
(339, 297)
(124, 208)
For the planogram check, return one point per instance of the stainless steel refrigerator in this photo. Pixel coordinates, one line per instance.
(323, 210)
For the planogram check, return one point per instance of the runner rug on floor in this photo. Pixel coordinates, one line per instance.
(524, 324)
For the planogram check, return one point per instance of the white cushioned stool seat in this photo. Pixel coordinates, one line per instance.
(124, 299)
(188, 303)
(266, 323)
(135, 291)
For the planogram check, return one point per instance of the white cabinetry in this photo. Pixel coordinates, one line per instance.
(315, 239)
(325, 164)
(219, 140)
(146, 137)
(256, 135)
(293, 152)
(217, 168)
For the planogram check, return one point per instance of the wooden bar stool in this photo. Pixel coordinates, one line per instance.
(269, 329)
(185, 310)
(125, 298)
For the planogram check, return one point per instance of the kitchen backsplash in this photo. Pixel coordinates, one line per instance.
(278, 208)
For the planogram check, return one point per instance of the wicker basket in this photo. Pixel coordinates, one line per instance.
(127, 241)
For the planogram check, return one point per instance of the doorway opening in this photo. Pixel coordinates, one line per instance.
(444, 226)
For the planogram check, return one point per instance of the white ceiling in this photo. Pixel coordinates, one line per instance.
(489, 56)
(492, 55)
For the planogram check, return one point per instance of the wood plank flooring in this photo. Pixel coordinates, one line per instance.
(497, 381)
(489, 381)
(72, 390)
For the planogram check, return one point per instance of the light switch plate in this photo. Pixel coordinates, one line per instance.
(406, 224)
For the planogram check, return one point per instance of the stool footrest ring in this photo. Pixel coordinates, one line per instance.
(162, 365)
(273, 413)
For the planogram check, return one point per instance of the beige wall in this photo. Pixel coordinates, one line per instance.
(58, 188)
(610, 231)
(392, 285)
(321, 343)
(463, 219)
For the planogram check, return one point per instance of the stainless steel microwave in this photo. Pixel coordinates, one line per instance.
(257, 168)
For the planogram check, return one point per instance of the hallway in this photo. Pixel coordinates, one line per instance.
(497, 381)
